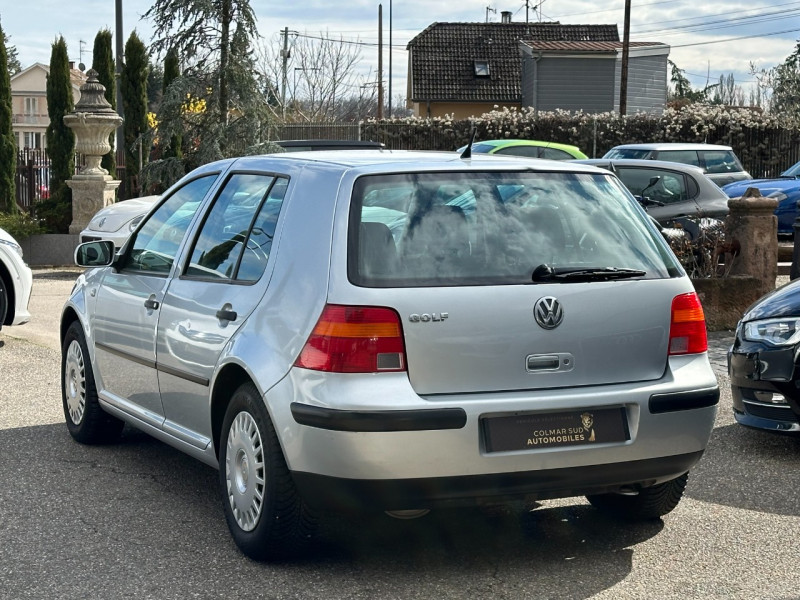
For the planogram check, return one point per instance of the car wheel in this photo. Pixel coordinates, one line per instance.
(650, 503)
(86, 421)
(3, 303)
(265, 514)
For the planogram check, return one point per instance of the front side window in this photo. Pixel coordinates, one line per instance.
(627, 153)
(156, 243)
(235, 239)
(473, 228)
(529, 151)
(667, 187)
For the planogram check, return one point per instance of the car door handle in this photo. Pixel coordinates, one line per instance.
(226, 314)
(151, 303)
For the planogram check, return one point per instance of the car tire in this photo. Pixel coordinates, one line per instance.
(267, 518)
(87, 422)
(3, 303)
(649, 504)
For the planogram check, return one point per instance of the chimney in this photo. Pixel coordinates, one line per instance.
(71, 65)
(505, 16)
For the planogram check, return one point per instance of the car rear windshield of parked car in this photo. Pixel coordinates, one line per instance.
(472, 228)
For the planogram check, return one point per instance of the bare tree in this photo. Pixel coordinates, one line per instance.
(728, 93)
(321, 79)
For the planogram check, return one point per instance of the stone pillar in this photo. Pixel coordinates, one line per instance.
(752, 227)
(93, 120)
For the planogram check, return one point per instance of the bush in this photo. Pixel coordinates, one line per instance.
(763, 142)
(20, 225)
(54, 214)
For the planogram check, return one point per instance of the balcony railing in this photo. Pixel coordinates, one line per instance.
(30, 120)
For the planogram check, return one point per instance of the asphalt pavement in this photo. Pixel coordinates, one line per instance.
(139, 519)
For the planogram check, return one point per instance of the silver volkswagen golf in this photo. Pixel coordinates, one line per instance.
(395, 331)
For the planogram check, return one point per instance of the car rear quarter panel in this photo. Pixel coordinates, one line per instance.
(268, 342)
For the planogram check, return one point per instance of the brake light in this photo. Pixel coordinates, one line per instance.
(355, 339)
(687, 331)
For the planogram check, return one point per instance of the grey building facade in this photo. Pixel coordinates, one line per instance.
(585, 76)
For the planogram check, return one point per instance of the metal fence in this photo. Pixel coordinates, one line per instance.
(320, 131)
(764, 153)
(32, 177)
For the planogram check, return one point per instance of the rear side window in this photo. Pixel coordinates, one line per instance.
(235, 239)
(472, 228)
(687, 157)
(555, 154)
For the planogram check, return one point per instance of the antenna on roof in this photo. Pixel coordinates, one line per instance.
(488, 10)
(467, 153)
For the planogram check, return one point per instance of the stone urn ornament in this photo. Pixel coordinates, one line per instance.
(93, 120)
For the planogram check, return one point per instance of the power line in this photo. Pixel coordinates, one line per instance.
(734, 39)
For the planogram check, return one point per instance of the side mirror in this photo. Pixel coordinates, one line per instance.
(95, 254)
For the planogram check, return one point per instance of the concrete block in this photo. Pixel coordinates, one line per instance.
(50, 249)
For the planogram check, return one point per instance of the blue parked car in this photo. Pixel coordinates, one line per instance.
(786, 189)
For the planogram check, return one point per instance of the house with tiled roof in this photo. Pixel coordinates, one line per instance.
(586, 76)
(29, 118)
(466, 69)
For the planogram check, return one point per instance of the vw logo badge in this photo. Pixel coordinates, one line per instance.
(548, 312)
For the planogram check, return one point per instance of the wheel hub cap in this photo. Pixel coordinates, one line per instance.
(75, 382)
(244, 471)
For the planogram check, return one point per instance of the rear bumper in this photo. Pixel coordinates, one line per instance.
(407, 494)
(353, 427)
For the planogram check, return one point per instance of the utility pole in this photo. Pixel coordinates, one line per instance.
(390, 59)
(285, 57)
(118, 76)
(380, 61)
(626, 42)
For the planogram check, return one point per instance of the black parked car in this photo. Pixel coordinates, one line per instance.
(762, 362)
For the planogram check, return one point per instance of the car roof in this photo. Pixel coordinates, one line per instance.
(405, 160)
(642, 162)
(672, 146)
(510, 142)
(323, 144)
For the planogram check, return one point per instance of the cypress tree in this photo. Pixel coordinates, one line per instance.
(103, 63)
(8, 146)
(171, 73)
(134, 102)
(60, 139)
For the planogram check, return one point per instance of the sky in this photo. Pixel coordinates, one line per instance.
(707, 39)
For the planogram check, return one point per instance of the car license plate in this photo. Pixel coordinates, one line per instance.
(531, 431)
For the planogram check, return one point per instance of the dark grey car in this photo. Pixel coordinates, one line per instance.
(720, 163)
(668, 190)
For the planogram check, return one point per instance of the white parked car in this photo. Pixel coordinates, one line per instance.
(117, 221)
(16, 280)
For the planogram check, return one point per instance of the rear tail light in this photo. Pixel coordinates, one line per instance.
(687, 331)
(355, 339)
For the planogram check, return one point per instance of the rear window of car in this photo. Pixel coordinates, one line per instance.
(720, 161)
(474, 228)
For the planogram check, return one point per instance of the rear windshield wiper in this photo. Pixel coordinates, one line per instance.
(545, 272)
